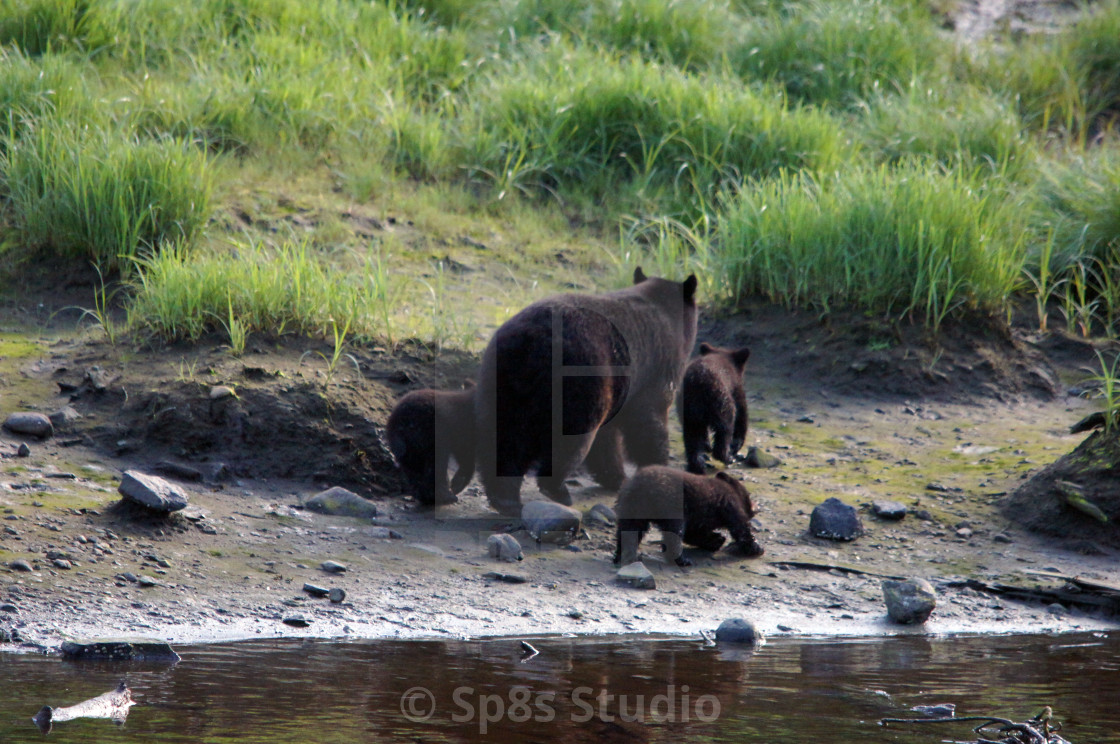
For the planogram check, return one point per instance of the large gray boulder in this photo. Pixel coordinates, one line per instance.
(152, 492)
(29, 424)
(909, 602)
(835, 520)
(548, 521)
(341, 502)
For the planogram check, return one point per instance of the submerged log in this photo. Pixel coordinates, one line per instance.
(113, 705)
(1042, 729)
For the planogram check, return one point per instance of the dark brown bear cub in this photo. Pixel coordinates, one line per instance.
(685, 507)
(712, 398)
(425, 430)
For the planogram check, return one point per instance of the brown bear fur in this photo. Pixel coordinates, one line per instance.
(426, 429)
(712, 398)
(575, 378)
(686, 508)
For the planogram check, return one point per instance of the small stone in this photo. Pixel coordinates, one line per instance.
(637, 576)
(152, 492)
(575, 614)
(964, 532)
(339, 501)
(756, 458)
(20, 564)
(909, 602)
(30, 424)
(336, 595)
(332, 567)
(504, 547)
(602, 514)
(63, 417)
(889, 510)
(737, 630)
(383, 533)
(297, 622)
(146, 581)
(835, 520)
(1004, 539)
(548, 521)
(62, 564)
(1057, 609)
(11, 609)
(316, 591)
(942, 710)
(176, 470)
(24, 450)
(218, 392)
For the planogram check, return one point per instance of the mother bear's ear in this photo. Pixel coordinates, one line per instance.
(639, 275)
(690, 289)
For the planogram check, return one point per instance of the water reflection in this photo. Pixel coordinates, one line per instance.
(578, 690)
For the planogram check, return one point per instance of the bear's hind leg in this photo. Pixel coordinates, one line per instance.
(604, 459)
(628, 536)
(695, 445)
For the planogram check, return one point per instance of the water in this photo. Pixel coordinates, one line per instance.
(791, 690)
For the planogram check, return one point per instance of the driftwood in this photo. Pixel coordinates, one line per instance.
(1076, 592)
(810, 566)
(113, 705)
(1042, 729)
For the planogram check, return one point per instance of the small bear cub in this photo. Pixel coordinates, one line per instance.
(686, 508)
(712, 397)
(425, 430)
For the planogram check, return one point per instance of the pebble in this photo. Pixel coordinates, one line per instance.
(889, 510)
(297, 622)
(336, 595)
(24, 450)
(909, 602)
(152, 492)
(341, 502)
(756, 458)
(62, 564)
(505, 578)
(20, 564)
(602, 514)
(637, 576)
(316, 591)
(835, 520)
(548, 521)
(333, 567)
(504, 547)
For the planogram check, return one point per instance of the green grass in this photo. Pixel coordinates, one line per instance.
(819, 154)
(907, 242)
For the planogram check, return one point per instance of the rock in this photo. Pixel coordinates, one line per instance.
(964, 533)
(756, 458)
(316, 591)
(737, 630)
(63, 417)
(218, 392)
(333, 567)
(175, 470)
(338, 501)
(297, 622)
(637, 576)
(336, 595)
(835, 520)
(942, 710)
(383, 533)
(120, 649)
(24, 450)
(909, 602)
(575, 614)
(11, 609)
(505, 578)
(548, 521)
(504, 547)
(62, 564)
(889, 510)
(152, 492)
(20, 564)
(30, 424)
(602, 514)
(146, 581)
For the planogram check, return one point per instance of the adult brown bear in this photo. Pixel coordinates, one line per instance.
(425, 430)
(575, 378)
(686, 508)
(712, 397)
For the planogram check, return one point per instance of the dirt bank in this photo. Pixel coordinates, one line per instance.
(854, 410)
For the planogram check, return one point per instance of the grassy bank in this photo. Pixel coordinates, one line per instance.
(820, 155)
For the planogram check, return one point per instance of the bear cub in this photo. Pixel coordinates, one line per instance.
(686, 508)
(425, 430)
(712, 398)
